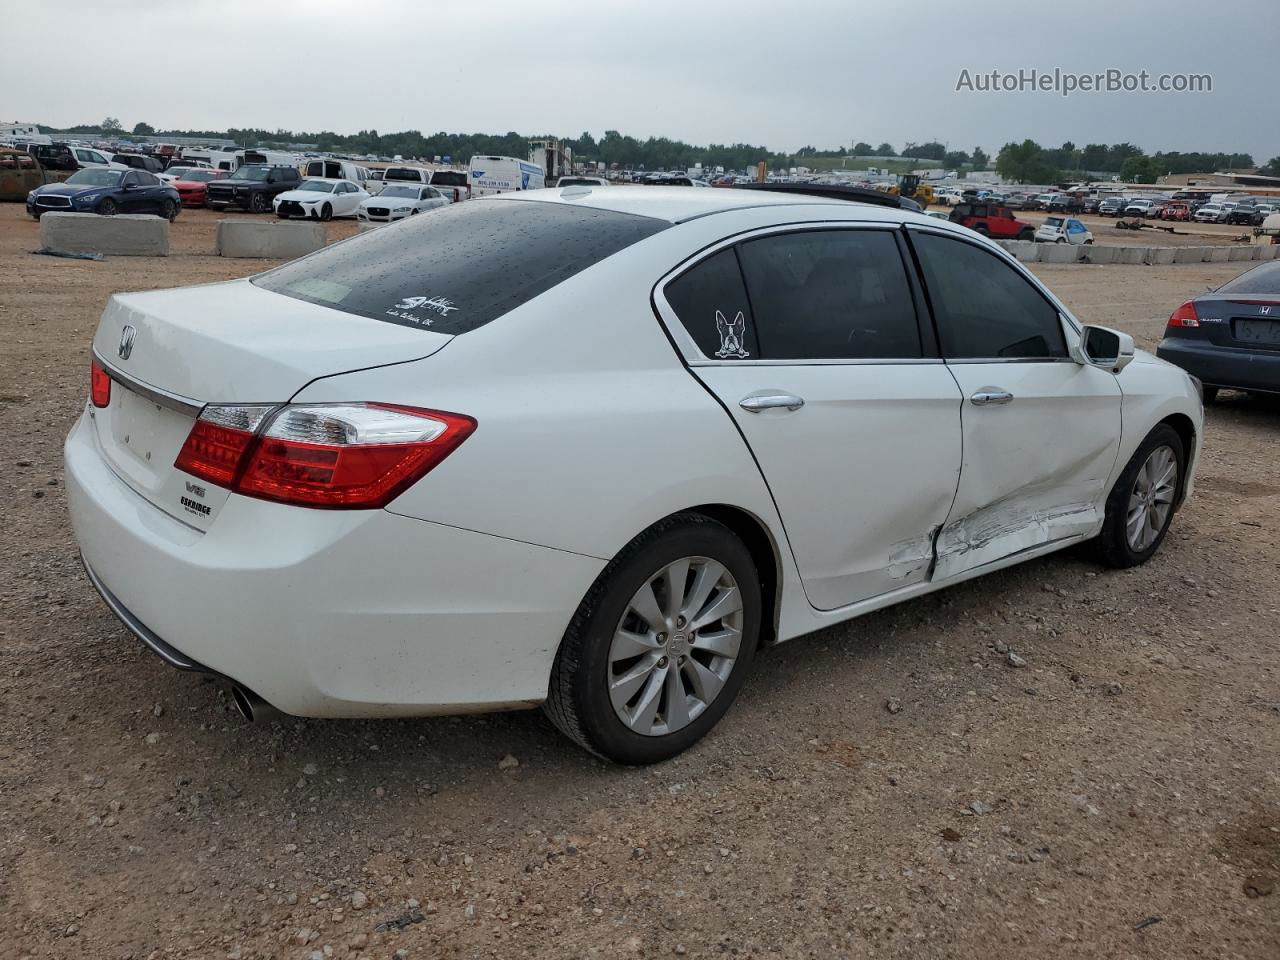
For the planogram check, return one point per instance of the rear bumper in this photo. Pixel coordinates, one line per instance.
(1217, 366)
(328, 613)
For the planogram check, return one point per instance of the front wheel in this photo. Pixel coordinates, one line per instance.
(258, 203)
(1141, 504)
(1061, 240)
(108, 208)
(661, 644)
(326, 212)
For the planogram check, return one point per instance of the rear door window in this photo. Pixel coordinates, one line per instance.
(711, 301)
(830, 295)
(460, 268)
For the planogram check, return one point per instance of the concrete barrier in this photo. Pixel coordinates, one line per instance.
(268, 239)
(1025, 250)
(1059, 253)
(1240, 253)
(1132, 254)
(1096, 254)
(1217, 254)
(1161, 255)
(1190, 254)
(1268, 251)
(126, 235)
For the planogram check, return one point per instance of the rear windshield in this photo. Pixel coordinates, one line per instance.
(461, 267)
(1264, 278)
(448, 178)
(403, 173)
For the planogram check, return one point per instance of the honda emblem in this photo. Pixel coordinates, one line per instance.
(1264, 310)
(126, 342)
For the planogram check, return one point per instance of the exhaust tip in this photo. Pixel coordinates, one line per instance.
(251, 706)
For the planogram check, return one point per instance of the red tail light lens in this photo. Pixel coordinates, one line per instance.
(218, 442)
(1185, 316)
(335, 456)
(99, 384)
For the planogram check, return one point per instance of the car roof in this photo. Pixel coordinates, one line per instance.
(678, 204)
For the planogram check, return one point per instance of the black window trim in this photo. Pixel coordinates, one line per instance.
(1065, 318)
(694, 357)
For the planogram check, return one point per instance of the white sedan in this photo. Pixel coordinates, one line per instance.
(320, 199)
(399, 200)
(592, 449)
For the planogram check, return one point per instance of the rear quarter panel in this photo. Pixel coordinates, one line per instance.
(590, 429)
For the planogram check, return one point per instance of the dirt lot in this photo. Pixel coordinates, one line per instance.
(1119, 796)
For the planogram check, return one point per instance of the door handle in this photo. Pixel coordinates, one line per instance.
(988, 395)
(756, 402)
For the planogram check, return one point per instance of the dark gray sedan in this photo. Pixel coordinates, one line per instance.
(1230, 337)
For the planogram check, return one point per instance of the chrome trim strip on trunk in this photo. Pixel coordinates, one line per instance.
(164, 398)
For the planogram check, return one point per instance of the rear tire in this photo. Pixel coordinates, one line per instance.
(584, 698)
(1027, 234)
(1141, 505)
(169, 210)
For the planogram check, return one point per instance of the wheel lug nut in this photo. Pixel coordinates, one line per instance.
(662, 638)
(680, 621)
(662, 662)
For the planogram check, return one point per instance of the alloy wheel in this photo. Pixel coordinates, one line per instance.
(675, 646)
(1151, 499)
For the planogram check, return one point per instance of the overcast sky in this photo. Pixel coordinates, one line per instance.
(782, 74)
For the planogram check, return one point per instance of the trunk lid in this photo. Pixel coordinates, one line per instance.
(220, 343)
(1243, 322)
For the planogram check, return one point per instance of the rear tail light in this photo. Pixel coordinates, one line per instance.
(99, 384)
(336, 456)
(1184, 317)
(218, 442)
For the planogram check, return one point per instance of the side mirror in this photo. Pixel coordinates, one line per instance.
(1104, 348)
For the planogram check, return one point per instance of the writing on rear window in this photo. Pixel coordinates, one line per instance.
(404, 309)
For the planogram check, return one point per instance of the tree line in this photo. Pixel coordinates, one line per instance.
(1029, 162)
(1025, 162)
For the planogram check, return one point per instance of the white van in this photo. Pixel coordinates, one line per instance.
(323, 168)
(503, 175)
(235, 159)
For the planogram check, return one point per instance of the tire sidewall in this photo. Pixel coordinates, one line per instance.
(608, 734)
(1117, 504)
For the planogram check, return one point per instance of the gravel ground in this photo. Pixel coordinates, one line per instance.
(890, 787)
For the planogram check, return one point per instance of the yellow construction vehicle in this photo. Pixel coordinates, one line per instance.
(909, 186)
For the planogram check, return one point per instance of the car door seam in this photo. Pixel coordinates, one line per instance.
(680, 358)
